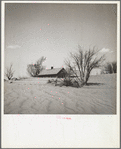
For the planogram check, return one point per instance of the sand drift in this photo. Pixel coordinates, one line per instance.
(35, 96)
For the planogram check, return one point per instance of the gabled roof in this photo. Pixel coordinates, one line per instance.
(50, 71)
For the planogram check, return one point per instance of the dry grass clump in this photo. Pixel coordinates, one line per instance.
(52, 81)
(22, 78)
(14, 79)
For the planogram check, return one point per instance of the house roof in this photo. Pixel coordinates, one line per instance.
(50, 71)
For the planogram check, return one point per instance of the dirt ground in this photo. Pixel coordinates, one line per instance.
(35, 96)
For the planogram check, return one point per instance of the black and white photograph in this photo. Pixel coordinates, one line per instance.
(60, 74)
(60, 58)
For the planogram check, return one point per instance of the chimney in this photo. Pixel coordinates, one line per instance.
(51, 67)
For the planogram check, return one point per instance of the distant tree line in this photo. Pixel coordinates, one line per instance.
(110, 67)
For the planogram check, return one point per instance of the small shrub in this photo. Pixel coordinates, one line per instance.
(10, 81)
(14, 79)
(55, 80)
(64, 82)
(61, 84)
(68, 82)
(48, 81)
(52, 81)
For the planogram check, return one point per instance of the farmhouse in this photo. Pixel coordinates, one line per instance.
(53, 72)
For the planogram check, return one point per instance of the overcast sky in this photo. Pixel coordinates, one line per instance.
(53, 30)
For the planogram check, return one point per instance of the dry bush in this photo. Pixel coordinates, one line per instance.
(64, 82)
(9, 72)
(51, 81)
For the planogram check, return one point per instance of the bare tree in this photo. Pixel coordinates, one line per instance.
(35, 69)
(9, 72)
(84, 61)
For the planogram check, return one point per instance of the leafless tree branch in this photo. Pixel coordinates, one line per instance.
(9, 72)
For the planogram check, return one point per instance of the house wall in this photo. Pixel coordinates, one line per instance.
(60, 75)
(45, 76)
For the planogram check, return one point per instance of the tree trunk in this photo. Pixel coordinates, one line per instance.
(87, 78)
(81, 82)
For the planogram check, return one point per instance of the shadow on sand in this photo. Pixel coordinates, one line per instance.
(94, 84)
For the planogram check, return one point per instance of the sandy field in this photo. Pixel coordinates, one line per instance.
(35, 96)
